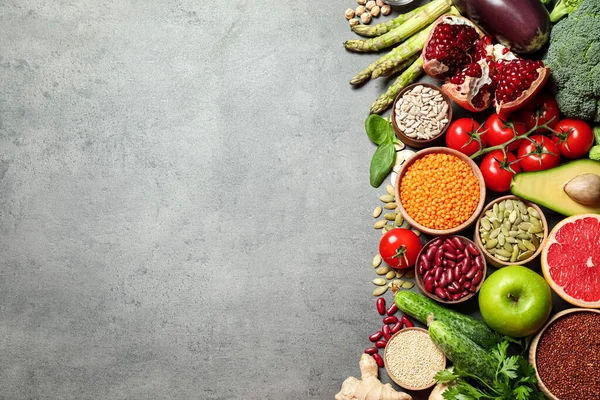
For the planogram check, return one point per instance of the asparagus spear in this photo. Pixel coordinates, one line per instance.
(419, 21)
(385, 27)
(406, 78)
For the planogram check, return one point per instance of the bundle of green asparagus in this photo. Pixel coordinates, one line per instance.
(409, 32)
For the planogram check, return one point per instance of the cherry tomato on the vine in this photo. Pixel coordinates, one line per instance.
(574, 137)
(400, 247)
(542, 109)
(466, 136)
(500, 131)
(538, 153)
(498, 171)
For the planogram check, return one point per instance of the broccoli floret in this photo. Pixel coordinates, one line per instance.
(574, 61)
(562, 8)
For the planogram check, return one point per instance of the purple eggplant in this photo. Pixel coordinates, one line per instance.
(521, 25)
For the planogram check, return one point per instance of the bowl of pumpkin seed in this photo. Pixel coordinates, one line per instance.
(510, 231)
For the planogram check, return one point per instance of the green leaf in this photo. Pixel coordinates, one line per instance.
(522, 392)
(377, 128)
(509, 367)
(499, 353)
(445, 376)
(381, 163)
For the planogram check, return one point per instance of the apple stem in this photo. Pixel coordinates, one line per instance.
(513, 298)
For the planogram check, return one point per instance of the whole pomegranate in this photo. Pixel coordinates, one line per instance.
(478, 73)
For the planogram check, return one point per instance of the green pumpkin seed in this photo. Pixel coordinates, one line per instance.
(382, 270)
(505, 231)
(533, 213)
(399, 220)
(513, 233)
(485, 223)
(390, 216)
(525, 255)
(377, 260)
(416, 232)
(513, 216)
(535, 241)
(534, 220)
(496, 210)
(379, 224)
(380, 290)
(506, 224)
(509, 247)
(377, 212)
(501, 258)
(508, 204)
(491, 251)
(495, 223)
(522, 246)
(491, 243)
(511, 240)
(494, 234)
(525, 226)
(524, 236)
(536, 229)
(379, 281)
(525, 218)
(506, 214)
(501, 240)
(390, 206)
(387, 198)
(529, 245)
(502, 207)
(408, 285)
(390, 189)
(399, 273)
(490, 214)
(515, 254)
(390, 275)
(522, 207)
(504, 253)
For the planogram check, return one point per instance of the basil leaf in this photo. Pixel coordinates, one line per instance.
(377, 128)
(381, 163)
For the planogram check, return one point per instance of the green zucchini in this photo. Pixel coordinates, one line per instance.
(462, 351)
(422, 308)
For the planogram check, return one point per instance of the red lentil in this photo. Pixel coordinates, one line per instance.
(568, 357)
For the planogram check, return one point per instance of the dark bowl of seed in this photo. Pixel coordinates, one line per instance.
(566, 355)
(510, 231)
(421, 115)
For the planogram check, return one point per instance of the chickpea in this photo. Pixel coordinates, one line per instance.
(386, 9)
(380, 3)
(365, 17)
(361, 2)
(370, 4)
(354, 22)
(375, 11)
(360, 10)
(349, 14)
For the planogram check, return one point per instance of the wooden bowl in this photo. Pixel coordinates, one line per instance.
(489, 257)
(536, 340)
(476, 172)
(433, 296)
(421, 143)
(396, 379)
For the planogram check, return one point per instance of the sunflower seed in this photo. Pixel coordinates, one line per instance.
(380, 290)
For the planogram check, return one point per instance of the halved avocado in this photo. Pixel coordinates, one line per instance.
(546, 188)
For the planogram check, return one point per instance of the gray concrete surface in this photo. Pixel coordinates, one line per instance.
(184, 200)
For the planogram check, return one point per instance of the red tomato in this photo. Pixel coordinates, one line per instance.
(542, 109)
(500, 131)
(465, 135)
(574, 138)
(496, 170)
(538, 154)
(400, 247)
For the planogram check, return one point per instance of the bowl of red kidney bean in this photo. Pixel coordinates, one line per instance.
(450, 269)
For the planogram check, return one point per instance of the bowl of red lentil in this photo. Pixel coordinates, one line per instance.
(440, 191)
(412, 359)
(566, 355)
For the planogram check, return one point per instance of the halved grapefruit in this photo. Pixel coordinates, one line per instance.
(571, 260)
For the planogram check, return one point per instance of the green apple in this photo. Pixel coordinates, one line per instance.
(515, 301)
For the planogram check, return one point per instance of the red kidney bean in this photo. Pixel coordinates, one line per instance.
(479, 262)
(376, 336)
(428, 283)
(457, 272)
(380, 344)
(443, 281)
(407, 322)
(472, 249)
(456, 286)
(451, 264)
(392, 309)
(447, 248)
(449, 275)
(465, 293)
(473, 288)
(462, 279)
(371, 350)
(444, 263)
(386, 332)
(437, 273)
(380, 305)
(471, 272)
(467, 263)
(437, 242)
(460, 257)
(420, 269)
(449, 256)
(430, 253)
(427, 274)
(477, 278)
(439, 292)
(458, 243)
(396, 327)
(449, 242)
(457, 296)
(438, 257)
(390, 320)
(466, 285)
(451, 290)
(436, 284)
(378, 360)
(426, 264)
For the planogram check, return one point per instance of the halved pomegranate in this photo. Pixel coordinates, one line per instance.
(477, 73)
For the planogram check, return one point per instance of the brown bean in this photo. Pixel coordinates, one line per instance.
(371, 350)
(396, 327)
(380, 305)
(376, 336)
(458, 243)
(477, 278)
(472, 249)
(430, 253)
(378, 360)
(380, 344)
(471, 272)
(428, 283)
(386, 332)
(450, 256)
(392, 309)
(390, 320)
(439, 292)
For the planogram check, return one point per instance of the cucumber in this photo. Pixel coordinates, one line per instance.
(462, 351)
(420, 308)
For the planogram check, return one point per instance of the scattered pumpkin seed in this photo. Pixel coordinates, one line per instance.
(390, 275)
(408, 285)
(391, 216)
(399, 273)
(377, 212)
(390, 206)
(387, 198)
(379, 281)
(399, 220)
(416, 231)
(379, 224)
(377, 260)
(410, 273)
(390, 189)
(380, 290)
(384, 269)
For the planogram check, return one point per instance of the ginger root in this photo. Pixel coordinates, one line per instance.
(370, 387)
